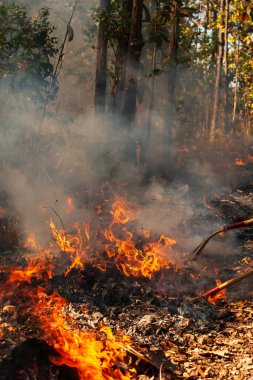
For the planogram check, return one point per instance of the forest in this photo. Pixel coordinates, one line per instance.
(126, 193)
(188, 62)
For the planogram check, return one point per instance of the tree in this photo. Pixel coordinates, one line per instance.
(205, 46)
(136, 42)
(173, 49)
(26, 47)
(123, 36)
(219, 71)
(101, 62)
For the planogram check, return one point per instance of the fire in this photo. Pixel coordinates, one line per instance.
(240, 162)
(71, 244)
(115, 245)
(36, 268)
(221, 295)
(129, 259)
(121, 213)
(3, 212)
(70, 205)
(95, 354)
(31, 242)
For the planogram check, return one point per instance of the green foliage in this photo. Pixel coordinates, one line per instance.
(197, 47)
(26, 47)
(114, 20)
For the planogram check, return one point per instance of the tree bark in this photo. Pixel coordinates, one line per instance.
(101, 65)
(236, 87)
(151, 106)
(129, 106)
(173, 49)
(218, 79)
(120, 60)
(226, 118)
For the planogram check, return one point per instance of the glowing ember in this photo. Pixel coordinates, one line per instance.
(240, 162)
(70, 205)
(221, 295)
(3, 212)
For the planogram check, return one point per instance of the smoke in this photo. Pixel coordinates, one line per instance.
(73, 152)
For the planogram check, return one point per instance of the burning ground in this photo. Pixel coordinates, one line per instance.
(108, 299)
(102, 203)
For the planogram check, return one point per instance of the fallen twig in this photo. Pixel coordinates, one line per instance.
(228, 283)
(56, 213)
(132, 351)
(200, 247)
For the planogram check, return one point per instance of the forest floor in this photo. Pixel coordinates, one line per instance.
(181, 336)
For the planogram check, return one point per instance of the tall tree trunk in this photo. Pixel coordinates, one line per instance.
(234, 117)
(226, 120)
(214, 33)
(173, 49)
(120, 60)
(101, 65)
(218, 79)
(151, 106)
(129, 106)
(207, 16)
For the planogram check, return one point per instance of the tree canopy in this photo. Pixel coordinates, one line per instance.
(27, 46)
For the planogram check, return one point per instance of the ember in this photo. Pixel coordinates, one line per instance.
(240, 162)
(70, 205)
(213, 299)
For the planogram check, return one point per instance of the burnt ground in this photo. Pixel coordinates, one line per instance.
(181, 335)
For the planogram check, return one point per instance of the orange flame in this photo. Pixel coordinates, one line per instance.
(117, 245)
(31, 243)
(70, 205)
(240, 162)
(36, 268)
(221, 295)
(95, 355)
(3, 212)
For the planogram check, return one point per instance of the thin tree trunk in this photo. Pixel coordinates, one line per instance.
(129, 106)
(101, 65)
(226, 121)
(236, 87)
(214, 32)
(173, 49)
(151, 107)
(218, 80)
(207, 16)
(120, 60)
